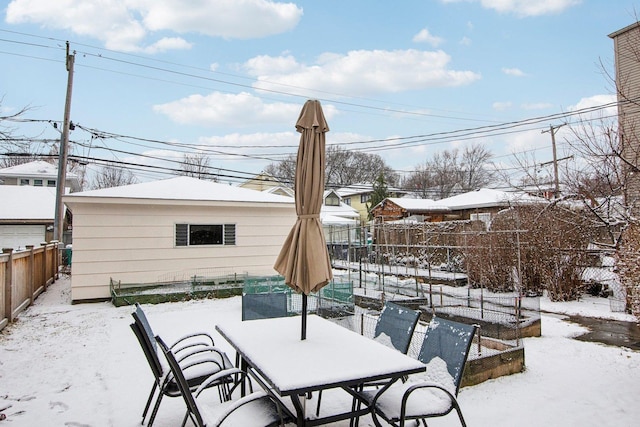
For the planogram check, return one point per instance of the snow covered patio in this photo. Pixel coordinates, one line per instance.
(80, 365)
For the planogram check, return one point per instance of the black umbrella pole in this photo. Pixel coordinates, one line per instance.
(304, 317)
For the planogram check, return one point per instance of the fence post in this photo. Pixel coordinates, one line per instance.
(30, 274)
(8, 284)
(45, 270)
(56, 258)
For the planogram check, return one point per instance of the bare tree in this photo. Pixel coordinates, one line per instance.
(420, 182)
(451, 170)
(113, 175)
(342, 168)
(15, 150)
(474, 172)
(284, 170)
(197, 166)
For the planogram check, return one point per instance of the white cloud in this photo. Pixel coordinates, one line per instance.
(465, 41)
(501, 106)
(168, 43)
(425, 36)
(359, 72)
(524, 8)
(595, 101)
(242, 109)
(516, 72)
(127, 24)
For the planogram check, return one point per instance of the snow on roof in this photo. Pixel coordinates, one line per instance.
(27, 203)
(184, 188)
(487, 197)
(419, 204)
(328, 219)
(35, 168)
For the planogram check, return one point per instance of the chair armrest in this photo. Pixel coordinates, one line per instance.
(217, 377)
(180, 342)
(423, 385)
(195, 351)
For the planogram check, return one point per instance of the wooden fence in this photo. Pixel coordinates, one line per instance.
(23, 276)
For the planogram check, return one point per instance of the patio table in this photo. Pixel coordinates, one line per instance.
(331, 357)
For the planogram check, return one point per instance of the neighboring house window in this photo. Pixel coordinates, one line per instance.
(347, 201)
(332, 200)
(51, 183)
(24, 181)
(37, 182)
(205, 234)
(364, 198)
(484, 217)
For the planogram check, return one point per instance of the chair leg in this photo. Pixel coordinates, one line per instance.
(155, 409)
(146, 407)
(318, 405)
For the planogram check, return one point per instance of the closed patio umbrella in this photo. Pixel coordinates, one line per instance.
(304, 259)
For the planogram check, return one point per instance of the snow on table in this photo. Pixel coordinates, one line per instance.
(330, 356)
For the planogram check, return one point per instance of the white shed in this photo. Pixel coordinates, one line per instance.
(142, 233)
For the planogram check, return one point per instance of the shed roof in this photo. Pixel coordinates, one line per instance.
(487, 197)
(27, 203)
(419, 205)
(182, 188)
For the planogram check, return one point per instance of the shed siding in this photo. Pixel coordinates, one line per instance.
(135, 243)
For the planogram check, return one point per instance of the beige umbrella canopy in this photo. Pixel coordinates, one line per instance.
(304, 259)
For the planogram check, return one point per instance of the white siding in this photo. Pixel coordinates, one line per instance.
(135, 243)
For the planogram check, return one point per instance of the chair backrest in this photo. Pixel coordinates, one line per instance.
(183, 386)
(149, 352)
(398, 323)
(264, 306)
(142, 321)
(450, 341)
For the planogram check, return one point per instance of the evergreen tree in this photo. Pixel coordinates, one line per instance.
(380, 192)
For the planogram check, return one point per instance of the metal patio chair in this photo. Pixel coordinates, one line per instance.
(395, 327)
(258, 409)
(264, 306)
(396, 323)
(195, 351)
(445, 350)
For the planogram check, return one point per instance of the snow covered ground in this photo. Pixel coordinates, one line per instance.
(80, 365)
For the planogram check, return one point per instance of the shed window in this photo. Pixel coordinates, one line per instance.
(24, 181)
(205, 234)
(51, 183)
(37, 182)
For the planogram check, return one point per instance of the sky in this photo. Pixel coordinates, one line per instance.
(80, 365)
(154, 80)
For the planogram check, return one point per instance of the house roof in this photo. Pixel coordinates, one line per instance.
(419, 205)
(182, 188)
(27, 203)
(37, 168)
(486, 198)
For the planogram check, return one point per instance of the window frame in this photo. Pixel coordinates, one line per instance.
(183, 235)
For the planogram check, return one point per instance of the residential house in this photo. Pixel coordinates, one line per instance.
(26, 215)
(394, 209)
(358, 195)
(144, 232)
(627, 71)
(38, 174)
(261, 182)
(484, 203)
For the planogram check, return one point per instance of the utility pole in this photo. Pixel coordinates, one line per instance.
(552, 130)
(58, 225)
